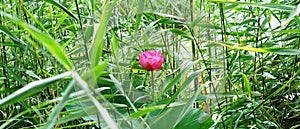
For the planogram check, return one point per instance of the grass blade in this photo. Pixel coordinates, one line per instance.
(103, 112)
(280, 51)
(177, 78)
(185, 84)
(50, 43)
(97, 47)
(247, 85)
(55, 112)
(62, 7)
(31, 89)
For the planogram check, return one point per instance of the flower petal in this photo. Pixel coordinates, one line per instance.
(151, 60)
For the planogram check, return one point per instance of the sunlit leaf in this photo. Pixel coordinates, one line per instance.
(280, 51)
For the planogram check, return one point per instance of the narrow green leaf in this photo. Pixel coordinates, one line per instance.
(50, 43)
(89, 30)
(169, 21)
(97, 47)
(272, 6)
(177, 78)
(208, 25)
(9, 90)
(103, 111)
(195, 119)
(7, 32)
(76, 115)
(94, 73)
(248, 21)
(280, 7)
(289, 31)
(142, 112)
(187, 107)
(55, 3)
(277, 91)
(164, 15)
(247, 85)
(18, 78)
(139, 15)
(180, 32)
(30, 73)
(97, 71)
(63, 18)
(185, 84)
(115, 47)
(283, 51)
(31, 89)
(93, 7)
(196, 21)
(280, 51)
(292, 15)
(55, 112)
(36, 21)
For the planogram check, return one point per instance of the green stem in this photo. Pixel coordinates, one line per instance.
(152, 84)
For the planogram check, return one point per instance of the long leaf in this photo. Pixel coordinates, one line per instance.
(247, 85)
(281, 7)
(276, 92)
(6, 31)
(55, 112)
(280, 51)
(103, 112)
(139, 15)
(31, 89)
(178, 77)
(55, 3)
(50, 43)
(152, 108)
(185, 84)
(187, 107)
(97, 47)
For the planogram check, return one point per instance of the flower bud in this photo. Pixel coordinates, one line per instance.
(151, 60)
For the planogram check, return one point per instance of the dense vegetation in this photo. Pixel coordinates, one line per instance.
(75, 64)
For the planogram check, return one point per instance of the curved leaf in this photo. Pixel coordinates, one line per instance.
(31, 89)
(50, 43)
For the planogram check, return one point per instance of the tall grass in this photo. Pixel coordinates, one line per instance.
(74, 64)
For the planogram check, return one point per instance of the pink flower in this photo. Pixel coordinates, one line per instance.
(151, 60)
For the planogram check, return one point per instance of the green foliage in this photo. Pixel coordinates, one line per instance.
(31, 89)
(196, 119)
(74, 64)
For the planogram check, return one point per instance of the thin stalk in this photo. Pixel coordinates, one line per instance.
(262, 63)
(153, 85)
(291, 84)
(174, 49)
(194, 51)
(166, 45)
(225, 65)
(4, 63)
(209, 72)
(258, 33)
(207, 102)
(83, 36)
(4, 57)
